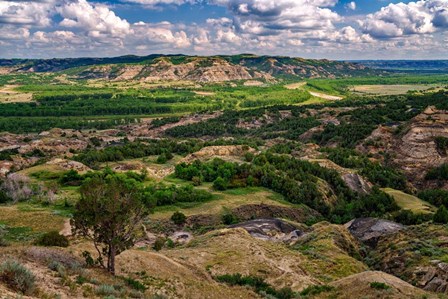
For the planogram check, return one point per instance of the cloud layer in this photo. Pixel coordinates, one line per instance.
(311, 28)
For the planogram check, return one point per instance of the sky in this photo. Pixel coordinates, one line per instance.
(332, 29)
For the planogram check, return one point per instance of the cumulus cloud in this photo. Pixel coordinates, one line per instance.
(36, 13)
(96, 20)
(351, 5)
(396, 20)
(42, 28)
(270, 16)
(162, 34)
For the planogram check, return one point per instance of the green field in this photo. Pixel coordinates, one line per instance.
(410, 202)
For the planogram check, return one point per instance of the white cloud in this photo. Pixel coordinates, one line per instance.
(42, 28)
(351, 5)
(396, 20)
(26, 12)
(95, 19)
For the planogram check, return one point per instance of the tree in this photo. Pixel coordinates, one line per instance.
(441, 216)
(178, 218)
(110, 213)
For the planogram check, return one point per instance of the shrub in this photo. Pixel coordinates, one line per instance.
(57, 267)
(81, 279)
(71, 178)
(379, 285)
(162, 159)
(52, 238)
(135, 284)
(228, 217)
(17, 277)
(178, 218)
(3, 241)
(441, 216)
(4, 198)
(220, 184)
(406, 217)
(105, 290)
(316, 290)
(159, 243)
(47, 255)
(258, 284)
(197, 180)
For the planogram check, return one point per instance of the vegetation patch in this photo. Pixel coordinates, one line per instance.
(52, 238)
(410, 202)
(259, 285)
(379, 285)
(17, 277)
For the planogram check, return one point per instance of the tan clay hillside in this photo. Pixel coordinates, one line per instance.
(190, 68)
(415, 149)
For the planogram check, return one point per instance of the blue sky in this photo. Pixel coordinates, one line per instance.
(359, 29)
(201, 12)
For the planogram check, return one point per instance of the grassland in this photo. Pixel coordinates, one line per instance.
(8, 94)
(410, 202)
(391, 89)
(224, 200)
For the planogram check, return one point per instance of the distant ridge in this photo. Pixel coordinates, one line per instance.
(435, 66)
(182, 67)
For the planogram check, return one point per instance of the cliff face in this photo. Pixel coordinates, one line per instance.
(190, 68)
(415, 151)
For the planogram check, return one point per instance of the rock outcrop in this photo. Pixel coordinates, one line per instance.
(415, 150)
(270, 229)
(370, 230)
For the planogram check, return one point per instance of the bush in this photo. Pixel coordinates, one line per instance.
(17, 277)
(441, 216)
(406, 217)
(220, 184)
(57, 267)
(178, 218)
(135, 284)
(229, 218)
(3, 241)
(258, 284)
(159, 243)
(379, 285)
(436, 197)
(52, 238)
(71, 178)
(46, 255)
(161, 159)
(197, 180)
(316, 290)
(3, 197)
(105, 290)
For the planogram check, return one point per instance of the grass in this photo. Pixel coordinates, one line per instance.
(410, 202)
(229, 199)
(17, 277)
(26, 221)
(379, 285)
(43, 172)
(243, 191)
(389, 89)
(8, 94)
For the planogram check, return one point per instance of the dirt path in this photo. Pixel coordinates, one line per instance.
(204, 93)
(67, 230)
(325, 96)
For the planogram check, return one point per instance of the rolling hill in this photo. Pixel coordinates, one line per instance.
(191, 68)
